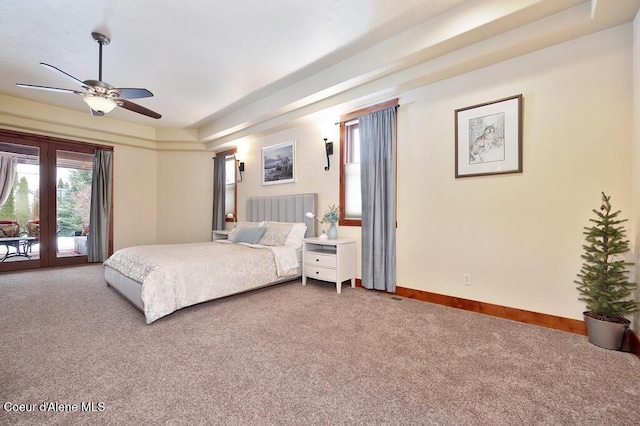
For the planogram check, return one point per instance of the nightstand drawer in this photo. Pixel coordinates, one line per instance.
(314, 259)
(320, 273)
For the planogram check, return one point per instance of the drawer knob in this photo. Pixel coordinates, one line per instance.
(317, 260)
(317, 272)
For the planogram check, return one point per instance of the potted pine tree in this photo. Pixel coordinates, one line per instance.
(603, 279)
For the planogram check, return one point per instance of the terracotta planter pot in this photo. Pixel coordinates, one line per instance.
(608, 335)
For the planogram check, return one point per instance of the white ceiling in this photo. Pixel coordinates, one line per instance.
(224, 66)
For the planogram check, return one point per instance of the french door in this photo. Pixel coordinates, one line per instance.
(45, 220)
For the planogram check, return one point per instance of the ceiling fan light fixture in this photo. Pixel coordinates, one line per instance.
(100, 104)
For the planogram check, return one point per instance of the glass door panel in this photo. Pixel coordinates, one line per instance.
(74, 172)
(44, 206)
(20, 206)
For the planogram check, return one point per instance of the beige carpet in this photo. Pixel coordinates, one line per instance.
(293, 355)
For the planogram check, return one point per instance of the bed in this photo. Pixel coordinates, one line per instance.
(262, 251)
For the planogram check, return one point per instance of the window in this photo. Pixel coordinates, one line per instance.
(74, 174)
(230, 186)
(350, 188)
(231, 183)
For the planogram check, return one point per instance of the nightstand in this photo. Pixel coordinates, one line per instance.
(329, 260)
(220, 234)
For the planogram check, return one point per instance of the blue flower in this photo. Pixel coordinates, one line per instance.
(332, 215)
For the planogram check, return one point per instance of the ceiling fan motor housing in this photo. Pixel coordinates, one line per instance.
(101, 38)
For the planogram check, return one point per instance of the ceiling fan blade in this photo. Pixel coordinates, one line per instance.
(132, 93)
(68, 76)
(138, 108)
(51, 89)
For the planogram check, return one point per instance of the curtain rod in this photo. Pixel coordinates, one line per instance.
(393, 103)
(230, 151)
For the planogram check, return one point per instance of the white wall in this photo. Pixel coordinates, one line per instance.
(310, 161)
(185, 196)
(519, 235)
(135, 196)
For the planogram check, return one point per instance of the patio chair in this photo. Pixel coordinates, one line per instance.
(9, 228)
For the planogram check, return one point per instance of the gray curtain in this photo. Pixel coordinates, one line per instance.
(100, 213)
(378, 180)
(8, 166)
(219, 190)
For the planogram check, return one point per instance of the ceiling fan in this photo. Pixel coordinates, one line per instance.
(100, 96)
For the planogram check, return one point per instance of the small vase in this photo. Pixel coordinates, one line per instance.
(333, 231)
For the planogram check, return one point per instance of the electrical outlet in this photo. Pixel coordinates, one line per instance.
(467, 279)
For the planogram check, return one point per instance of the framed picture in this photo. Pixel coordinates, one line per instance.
(489, 138)
(279, 163)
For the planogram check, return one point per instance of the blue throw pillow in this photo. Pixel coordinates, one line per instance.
(250, 234)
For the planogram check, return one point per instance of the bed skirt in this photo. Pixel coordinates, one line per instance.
(132, 290)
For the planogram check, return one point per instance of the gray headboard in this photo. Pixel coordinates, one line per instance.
(284, 208)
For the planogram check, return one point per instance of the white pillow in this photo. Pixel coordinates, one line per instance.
(295, 236)
(276, 234)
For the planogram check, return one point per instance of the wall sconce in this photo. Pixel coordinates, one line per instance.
(232, 217)
(328, 147)
(240, 170)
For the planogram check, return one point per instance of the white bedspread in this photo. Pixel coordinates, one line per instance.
(179, 275)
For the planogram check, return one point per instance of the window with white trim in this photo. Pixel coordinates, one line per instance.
(230, 185)
(352, 187)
